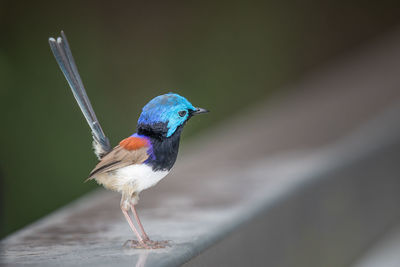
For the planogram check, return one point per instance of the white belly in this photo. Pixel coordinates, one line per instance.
(141, 176)
(133, 178)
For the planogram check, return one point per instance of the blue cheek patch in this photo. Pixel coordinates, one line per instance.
(175, 121)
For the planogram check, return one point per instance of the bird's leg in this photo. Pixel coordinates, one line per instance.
(125, 209)
(141, 244)
(146, 239)
(144, 235)
(132, 226)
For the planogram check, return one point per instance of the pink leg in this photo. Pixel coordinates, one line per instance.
(140, 239)
(145, 236)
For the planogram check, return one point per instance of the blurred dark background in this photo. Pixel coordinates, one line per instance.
(222, 55)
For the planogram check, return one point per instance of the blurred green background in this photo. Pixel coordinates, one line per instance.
(221, 55)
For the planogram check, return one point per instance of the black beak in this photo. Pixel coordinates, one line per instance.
(199, 111)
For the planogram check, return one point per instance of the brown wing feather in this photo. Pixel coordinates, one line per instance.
(117, 158)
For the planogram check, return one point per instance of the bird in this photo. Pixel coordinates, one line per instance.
(140, 160)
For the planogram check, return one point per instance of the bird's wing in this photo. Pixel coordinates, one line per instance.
(132, 150)
(63, 55)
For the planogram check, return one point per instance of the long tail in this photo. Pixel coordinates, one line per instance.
(63, 55)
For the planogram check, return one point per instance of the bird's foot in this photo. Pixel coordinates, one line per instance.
(135, 244)
(146, 244)
(156, 244)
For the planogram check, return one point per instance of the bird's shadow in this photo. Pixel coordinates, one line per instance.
(133, 247)
(141, 262)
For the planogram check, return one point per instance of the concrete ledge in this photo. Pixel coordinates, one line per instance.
(385, 253)
(308, 180)
(320, 208)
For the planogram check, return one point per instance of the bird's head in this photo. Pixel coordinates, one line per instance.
(164, 114)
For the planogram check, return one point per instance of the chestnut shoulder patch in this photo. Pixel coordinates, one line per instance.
(134, 143)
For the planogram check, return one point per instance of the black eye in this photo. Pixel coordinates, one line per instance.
(182, 113)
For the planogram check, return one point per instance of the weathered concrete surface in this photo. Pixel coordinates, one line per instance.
(385, 253)
(335, 202)
(321, 133)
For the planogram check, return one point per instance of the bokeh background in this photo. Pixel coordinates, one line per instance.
(222, 55)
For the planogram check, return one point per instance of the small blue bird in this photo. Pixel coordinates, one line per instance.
(141, 160)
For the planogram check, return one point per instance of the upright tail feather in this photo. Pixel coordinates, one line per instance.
(63, 55)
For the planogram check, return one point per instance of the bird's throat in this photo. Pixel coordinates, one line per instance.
(164, 149)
